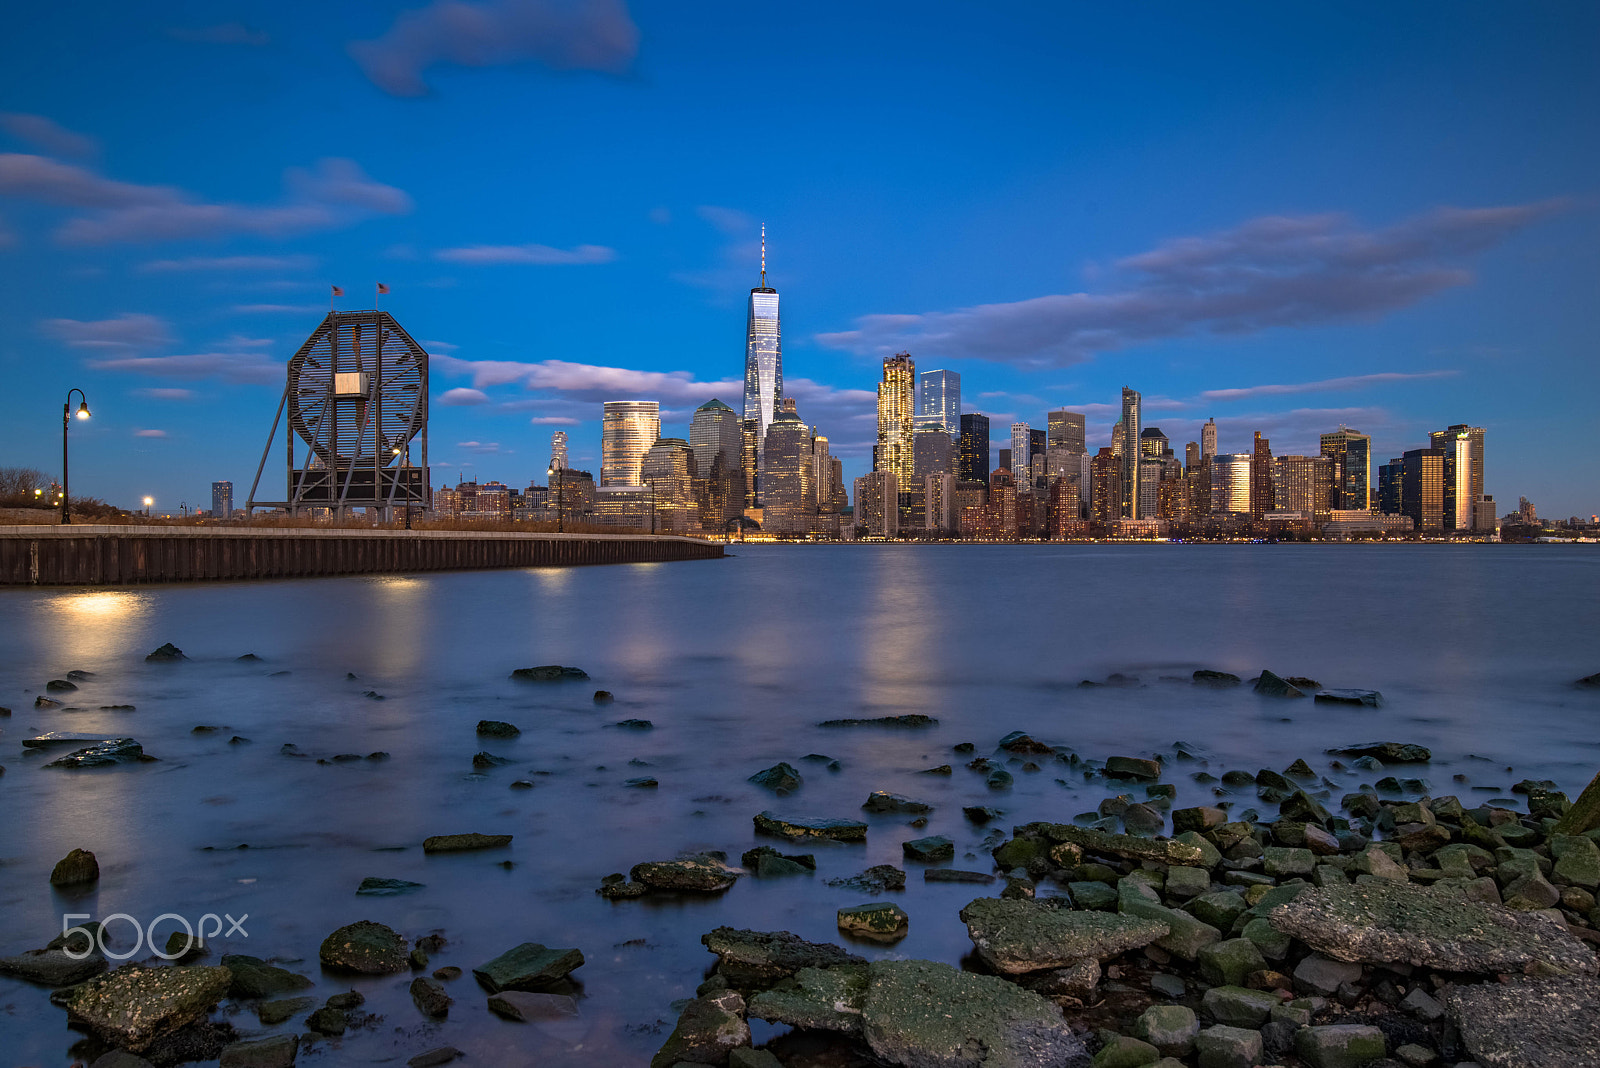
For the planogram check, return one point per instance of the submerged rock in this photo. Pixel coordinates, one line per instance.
(700, 875)
(1020, 936)
(781, 777)
(495, 728)
(461, 843)
(167, 652)
(530, 966)
(134, 1006)
(1207, 677)
(930, 850)
(429, 997)
(708, 1030)
(761, 958)
(60, 686)
(810, 827)
(548, 673)
(75, 869)
(523, 1006)
(878, 922)
(279, 1051)
(1122, 767)
(54, 967)
(820, 999)
(1389, 752)
(634, 724)
(1020, 742)
(104, 754)
(1270, 685)
(366, 948)
(883, 801)
(875, 880)
(255, 978)
(1370, 698)
(372, 886)
(766, 862)
(913, 719)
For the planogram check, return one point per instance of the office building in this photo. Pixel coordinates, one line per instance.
(1021, 457)
(749, 457)
(1474, 436)
(931, 450)
(1350, 453)
(896, 418)
(789, 501)
(1463, 452)
(763, 356)
(1230, 484)
(1005, 459)
(1304, 484)
(627, 431)
(1106, 492)
(1191, 456)
(1422, 488)
(1391, 487)
(1262, 498)
(715, 431)
(1152, 442)
(877, 504)
(1067, 430)
(1151, 469)
(939, 401)
(221, 500)
(1208, 440)
(622, 506)
(1129, 438)
(939, 503)
(668, 471)
(558, 450)
(974, 465)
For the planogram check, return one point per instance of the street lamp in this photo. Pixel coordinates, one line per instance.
(148, 501)
(561, 485)
(66, 413)
(406, 468)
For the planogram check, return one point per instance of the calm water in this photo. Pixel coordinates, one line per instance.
(734, 661)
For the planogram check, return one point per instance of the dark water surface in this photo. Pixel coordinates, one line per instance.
(1474, 647)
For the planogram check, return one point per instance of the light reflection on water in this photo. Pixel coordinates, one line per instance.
(735, 661)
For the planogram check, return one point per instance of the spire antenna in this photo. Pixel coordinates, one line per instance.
(763, 255)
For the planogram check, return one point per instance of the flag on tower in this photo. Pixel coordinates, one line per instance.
(382, 289)
(337, 291)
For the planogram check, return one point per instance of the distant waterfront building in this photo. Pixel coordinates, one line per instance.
(714, 432)
(627, 431)
(1191, 455)
(1262, 498)
(668, 471)
(1463, 451)
(1150, 471)
(1067, 430)
(1230, 483)
(1445, 439)
(1422, 488)
(221, 500)
(763, 357)
(1021, 456)
(896, 418)
(558, 450)
(1304, 484)
(1350, 453)
(1208, 440)
(789, 502)
(1129, 436)
(1107, 488)
(878, 504)
(939, 401)
(939, 496)
(625, 507)
(1391, 487)
(1152, 442)
(974, 458)
(931, 450)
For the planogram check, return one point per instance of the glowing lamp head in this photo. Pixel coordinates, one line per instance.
(148, 501)
(83, 410)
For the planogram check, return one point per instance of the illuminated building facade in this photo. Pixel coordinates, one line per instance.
(1230, 484)
(1350, 454)
(974, 458)
(896, 418)
(627, 431)
(1067, 430)
(939, 401)
(1128, 435)
(763, 357)
(1422, 488)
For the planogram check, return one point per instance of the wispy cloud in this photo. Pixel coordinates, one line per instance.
(482, 448)
(1325, 385)
(167, 394)
(588, 381)
(461, 397)
(229, 263)
(248, 367)
(562, 34)
(542, 255)
(127, 332)
(554, 420)
(1276, 271)
(149, 433)
(223, 33)
(278, 309)
(49, 136)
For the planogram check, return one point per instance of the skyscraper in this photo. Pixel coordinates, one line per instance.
(896, 418)
(763, 356)
(714, 431)
(1304, 484)
(939, 400)
(1463, 451)
(667, 472)
(931, 449)
(628, 430)
(1208, 440)
(558, 451)
(1350, 453)
(1262, 497)
(1131, 428)
(1230, 483)
(1152, 442)
(1191, 455)
(1021, 456)
(221, 500)
(789, 501)
(1474, 435)
(974, 447)
(1066, 429)
(1422, 488)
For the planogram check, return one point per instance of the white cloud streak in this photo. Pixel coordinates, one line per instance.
(49, 136)
(1325, 385)
(127, 332)
(541, 255)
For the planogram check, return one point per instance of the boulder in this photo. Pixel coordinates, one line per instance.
(255, 978)
(914, 719)
(697, 875)
(79, 867)
(1207, 677)
(280, 1010)
(810, 827)
(1017, 937)
(1386, 921)
(876, 922)
(767, 863)
(1169, 1028)
(1388, 752)
(365, 948)
(781, 777)
(1123, 767)
(1238, 1006)
(1229, 962)
(1020, 742)
(709, 1028)
(1370, 698)
(1340, 1045)
(461, 843)
(495, 728)
(821, 999)
(1130, 847)
(167, 652)
(883, 801)
(1186, 935)
(530, 966)
(930, 850)
(133, 1007)
(548, 673)
(103, 754)
(1319, 976)
(1221, 1046)
(761, 958)
(1270, 685)
(54, 967)
(523, 1006)
(279, 1051)
(429, 997)
(1532, 1022)
(1122, 1051)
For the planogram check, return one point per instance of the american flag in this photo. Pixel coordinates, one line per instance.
(382, 289)
(337, 291)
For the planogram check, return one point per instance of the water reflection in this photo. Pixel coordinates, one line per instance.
(95, 626)
(902, 661)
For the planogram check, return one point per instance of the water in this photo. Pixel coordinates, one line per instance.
(735, 661)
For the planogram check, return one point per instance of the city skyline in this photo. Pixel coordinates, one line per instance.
(1417, 282)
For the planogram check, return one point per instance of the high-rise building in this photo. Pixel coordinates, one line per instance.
(1422, 488)
(1474, 435)
(1067, 430)
(1021, 457)
(558, 450)
(974, 459)
(1151, 469)
(822, 465)
(789, 501)
(1391, 487)
(1208, 440)
(221, 500)
(931, 450)
(1463, 452)
(1152, 442)
(714, 431)
(668, 471)
(763, 356)
(627, 431)
(1350, 453)
(878, 504)
(749, 458)
(1191, 455)
(1105, 494)
(939, 496)
(1304, 484)
(1005, 459)
(896, 418)
(1037, 444)
(1131, 428)
(939, 401)
(1230, 483)
(1262, 498)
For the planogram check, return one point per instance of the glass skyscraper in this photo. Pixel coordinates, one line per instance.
(939, 401)
(974, 447)
(1130, 429)
(896, 403)
(713, 432)
(628, 431)
(1067, 429)
(1351, 454)
(763, 356)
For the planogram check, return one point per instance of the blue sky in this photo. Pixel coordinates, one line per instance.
(1284, 216)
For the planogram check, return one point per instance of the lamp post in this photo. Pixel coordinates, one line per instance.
(66, 412)
(561, 486)
(652, 506)
(407, 468)
(148, 501)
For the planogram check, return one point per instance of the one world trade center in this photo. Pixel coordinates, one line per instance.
(763, 364)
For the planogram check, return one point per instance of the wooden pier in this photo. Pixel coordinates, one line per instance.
(90, 555)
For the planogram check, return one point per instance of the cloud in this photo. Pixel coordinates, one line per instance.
(252, 368)
(731, 221)
(127, 332)
(543, 255)
(224, 33)
(278, 309)
(462, 396)
(562, 34)
(483, 448)
(587, 380)
(1325, 385)
(439, 346)
(7, 237)
(229, 263)
(334, 193)
(49, 136)
(166, 394)
(554, 420)
(1274, 271)
(149, 433)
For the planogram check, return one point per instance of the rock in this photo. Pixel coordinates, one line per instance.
(429, 997)
(435, 1057)
(523, 1006)
(708, 1030)
(1121, 1051)
(821, 999)
(461, 843)
(603, 697)
(272, 1013)
(874, 880)
(1238, 1006)
(1186, 935)
(914, 719)
(699, 875)
(167, 652)
(1206, 677)
(1532, 1022)
(1142, 820)
(349, 999)
(929, 850)
(642, 782)
(1122, 767)
(1388, 752)
(1131, 847)
(133, 1006)
(79, 867)
(1017, 937)
(276, 1052)
(329, 1021)
(1229, 962)
(1270, 685)
(1577, 860)
(1221, 1046)
(255, 978)
(1184, 882)
(495, 728)
(883, 801)
(448, 972)
(780, 777)
(481, 761)
(1370, 698)
(1421, 1005)
(372, 886)
(1285, 862)
(1198, 819)
(744, 1057)
(1322, 977)
(920, 1014)
(1169, 1028)
(877, 922)
(548, 673)
(768, 863)
(1272, 943)
(530, 966)
(365, 948)
(42, 701)
(635, 724)
(998, 779)
(103, 755)
(1387, 921)
(119, 1058)
(761, 958)
(807, 827)
(60, 686)
(1219, 909)
(1340, 1045)
(54, 967)
(1020, 742)
(955, 875)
